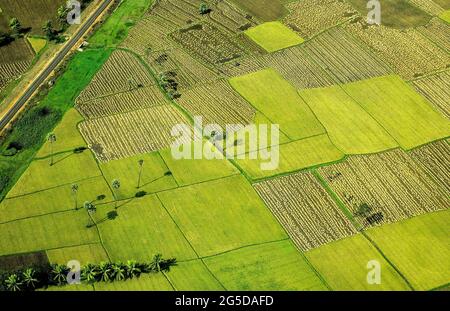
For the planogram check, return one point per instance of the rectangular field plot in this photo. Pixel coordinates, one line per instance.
(278, 100)
(121, 72)
(124, 135)
(311, 17)
(210, 226)
(435, 159)
(343, 57)
(67, 136)
(22, 261)
(193, 276)
(154, 174)
(445, 16)
(139, 98)
(305, 210)
(384, 188)
(273, 36)
(190, 171)
(436, 89)
(271, 266)
(429, 6)
(55, 200)
(217, 103)
(141, 229)
(343, 265)
(408, 52)
(47, 232)
(85, 254)
(349, 127)
(294, 156)
(66, 170)
(406, 115)
(419, 248)
(147, 282)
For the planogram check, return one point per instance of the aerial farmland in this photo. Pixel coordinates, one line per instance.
(228, 145)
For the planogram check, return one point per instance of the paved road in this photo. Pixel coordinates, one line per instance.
(54, 63)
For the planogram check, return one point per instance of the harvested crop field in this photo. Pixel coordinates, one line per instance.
(343, 57)
(265, 10)
(384, 188)
(217, 103)
(305, 209)
(310, 17)
(408, 52)
(121, 72)
(438, 32)
(183, 68)
(436, 89)
(146, 97)
(141, 131)
(31, 14)
(429, 6)
(435, 159)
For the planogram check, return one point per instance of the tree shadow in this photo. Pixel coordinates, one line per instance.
(152, 181)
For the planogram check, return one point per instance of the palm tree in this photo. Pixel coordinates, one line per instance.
(91, 209)
(141, 164)
(156, 263)
(48, 30)
(105, 271)
(116, 186)
(51, 139)
(29, 278)
(59, 274)
(74, 189)
(13, 283)
(119, 271)
(131, 269)
(89, 273)
(62, 14)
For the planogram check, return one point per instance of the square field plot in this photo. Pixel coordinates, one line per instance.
(139, 229)
(270, 266)
(46, 232)
(70, 168)
(419, 248)
(406, 115)
(273, 36)
(343, 264)
(221, 215)
(55, 200)
(154, 175)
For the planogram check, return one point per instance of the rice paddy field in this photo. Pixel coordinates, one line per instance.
(358, 173)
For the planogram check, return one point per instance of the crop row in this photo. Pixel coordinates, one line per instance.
(122, 102)
(436, 89)
(127, 134)
(384, 188)
(305, 210)
(121, 72)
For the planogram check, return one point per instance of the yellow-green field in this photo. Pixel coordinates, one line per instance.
(273, 36)
(445, 16)
(38, 44)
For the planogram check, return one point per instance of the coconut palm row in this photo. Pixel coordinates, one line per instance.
(31, 279)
